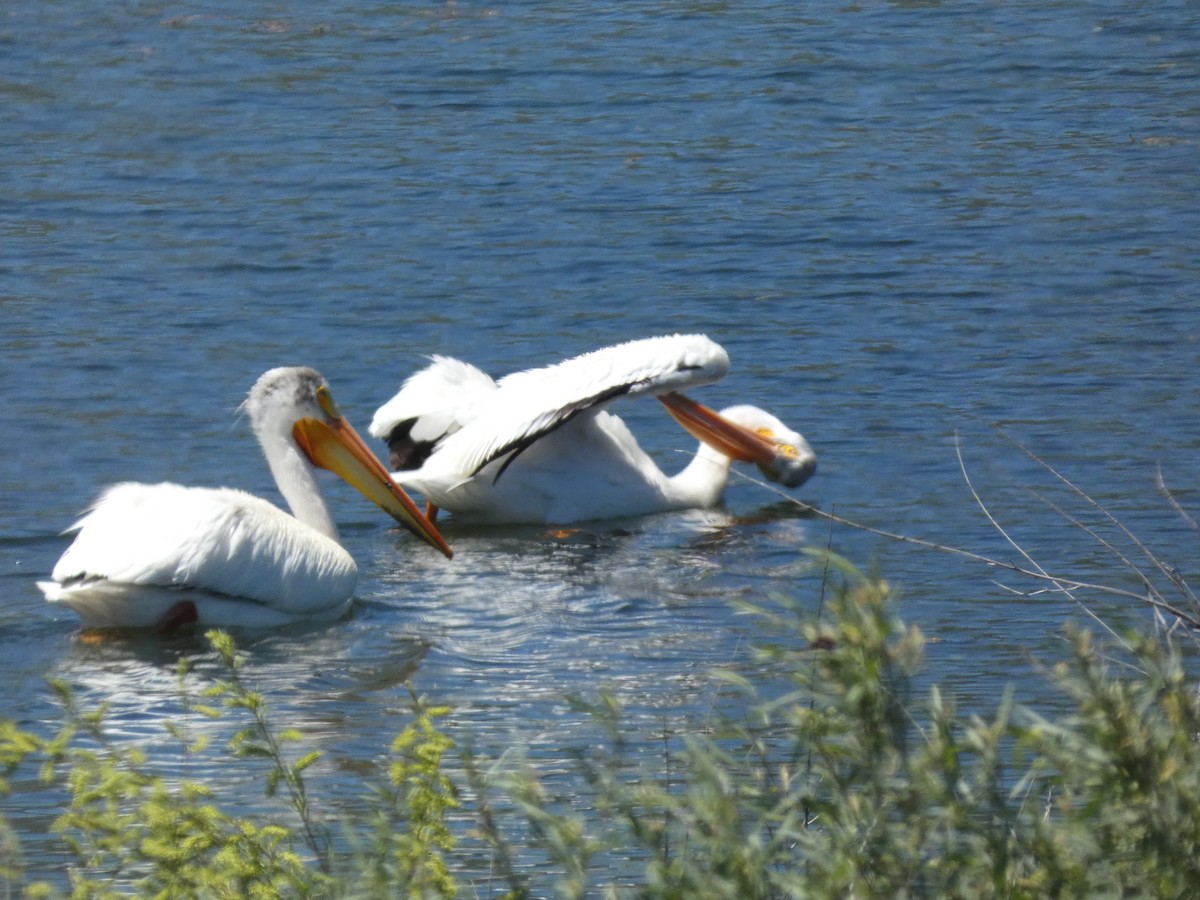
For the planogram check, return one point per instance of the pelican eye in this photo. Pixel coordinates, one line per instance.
(325, 399)
(789, 450)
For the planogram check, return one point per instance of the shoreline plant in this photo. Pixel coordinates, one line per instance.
(828, 775)
(837, 781)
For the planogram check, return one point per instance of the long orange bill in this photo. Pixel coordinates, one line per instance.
(336, 446)
(731, 439)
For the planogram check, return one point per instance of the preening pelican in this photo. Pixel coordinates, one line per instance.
(161, 555)
(540, 446)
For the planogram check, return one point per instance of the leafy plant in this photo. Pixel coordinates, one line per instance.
(407, 828)
(827, 776)
(844, 785)
(130, 827)
(258, 739)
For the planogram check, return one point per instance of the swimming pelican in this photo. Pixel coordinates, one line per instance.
(162, 555)
(540, 446)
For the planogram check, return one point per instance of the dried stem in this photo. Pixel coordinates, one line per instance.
(1152, 596)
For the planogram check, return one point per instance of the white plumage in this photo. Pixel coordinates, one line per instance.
(540, 445)
(158, 555)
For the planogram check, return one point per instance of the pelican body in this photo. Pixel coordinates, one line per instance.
(540, 446)
(161, 555)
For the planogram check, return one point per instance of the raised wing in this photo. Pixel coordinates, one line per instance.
(528, 405)
(431, 405)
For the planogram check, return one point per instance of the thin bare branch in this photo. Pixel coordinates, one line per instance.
(1183, 514)
(1168, 571)
(1192, 619)
(1104, 542)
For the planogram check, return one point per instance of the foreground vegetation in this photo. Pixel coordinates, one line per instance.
(836, 781)
(834, 776)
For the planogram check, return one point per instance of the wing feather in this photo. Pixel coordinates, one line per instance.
(431, 405)
(528, 405)
(213, 539)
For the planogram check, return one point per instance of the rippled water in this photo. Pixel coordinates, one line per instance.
(908, 223)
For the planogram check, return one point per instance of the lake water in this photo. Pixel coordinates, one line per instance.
(909, 224)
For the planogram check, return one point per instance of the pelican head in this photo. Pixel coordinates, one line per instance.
(293, 406)
(748, 434)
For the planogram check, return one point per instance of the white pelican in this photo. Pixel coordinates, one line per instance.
(538, 446)
(162, 555)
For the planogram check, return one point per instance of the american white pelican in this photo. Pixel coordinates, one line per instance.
(162, 555)
(538, 446)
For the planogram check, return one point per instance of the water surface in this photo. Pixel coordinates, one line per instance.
(909, 223)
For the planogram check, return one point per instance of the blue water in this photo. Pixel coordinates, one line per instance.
(908, 223)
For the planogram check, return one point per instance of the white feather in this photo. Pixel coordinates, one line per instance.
(540, 446)
(218, 540)
(441, 397)
(143, 549)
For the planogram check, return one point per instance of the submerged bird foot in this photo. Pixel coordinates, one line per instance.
(182, 613)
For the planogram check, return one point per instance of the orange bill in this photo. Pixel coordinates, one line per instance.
(336, 446)
(731, 439)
